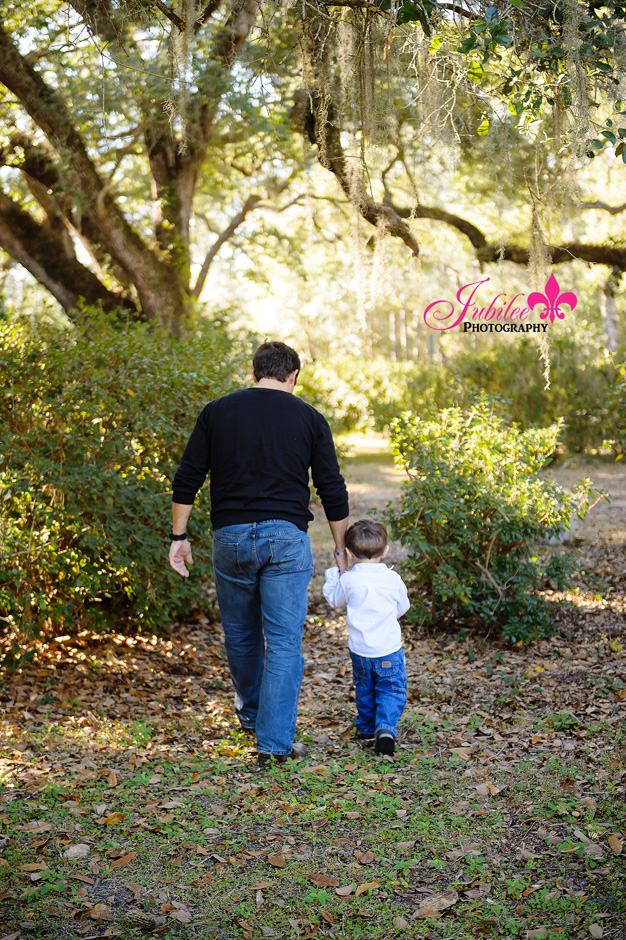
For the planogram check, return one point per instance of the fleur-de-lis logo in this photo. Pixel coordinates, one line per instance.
(552, 300)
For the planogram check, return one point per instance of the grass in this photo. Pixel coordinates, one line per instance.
(222, 851)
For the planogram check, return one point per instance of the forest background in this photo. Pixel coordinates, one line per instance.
(179, 181)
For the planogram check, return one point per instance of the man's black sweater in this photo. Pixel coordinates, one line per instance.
(258, 445)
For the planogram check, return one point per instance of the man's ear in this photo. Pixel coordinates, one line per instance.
(384, 554)
(294, 376)
(254, 379)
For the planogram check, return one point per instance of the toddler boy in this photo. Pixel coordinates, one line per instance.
(375, 596)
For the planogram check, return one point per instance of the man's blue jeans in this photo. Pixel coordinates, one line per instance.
(262, 571)
(380, 684)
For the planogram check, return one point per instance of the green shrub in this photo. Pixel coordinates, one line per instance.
(579, 378)
(329, 386)
(472, 508)
(616, 426)
(92, 425)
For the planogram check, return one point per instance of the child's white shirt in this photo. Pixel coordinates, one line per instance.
(375, 596)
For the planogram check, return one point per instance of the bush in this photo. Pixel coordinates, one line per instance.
(92, 425)
(616, 430)
(329, 386)
(472, 508)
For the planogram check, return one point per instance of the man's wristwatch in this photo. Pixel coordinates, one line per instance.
(339, 553)
(177, 538)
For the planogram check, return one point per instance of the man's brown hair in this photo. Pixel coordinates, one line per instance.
(275, 361)
(366, 539)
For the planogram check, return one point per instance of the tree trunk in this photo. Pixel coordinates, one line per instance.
(157, 282)
(609, 312)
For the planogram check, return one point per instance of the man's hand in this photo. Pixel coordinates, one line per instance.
(180, 552)
(342, 562)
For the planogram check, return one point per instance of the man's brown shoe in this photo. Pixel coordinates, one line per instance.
(298, 751)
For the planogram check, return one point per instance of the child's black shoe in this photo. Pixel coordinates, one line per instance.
(385, 743)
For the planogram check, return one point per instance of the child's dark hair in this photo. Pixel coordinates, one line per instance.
(366, 539)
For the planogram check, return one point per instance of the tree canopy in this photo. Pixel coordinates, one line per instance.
(138, 135)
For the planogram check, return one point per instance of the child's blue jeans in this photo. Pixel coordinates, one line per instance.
(380, 691)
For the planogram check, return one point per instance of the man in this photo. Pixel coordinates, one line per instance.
(258, 445)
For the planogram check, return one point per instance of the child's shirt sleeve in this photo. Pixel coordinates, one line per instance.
(334, 588)
(403, 598)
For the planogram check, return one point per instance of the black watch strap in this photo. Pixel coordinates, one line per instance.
(177, 538)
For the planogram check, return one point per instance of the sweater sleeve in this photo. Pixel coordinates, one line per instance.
(334, 589)
(195, 463)
(327, 479)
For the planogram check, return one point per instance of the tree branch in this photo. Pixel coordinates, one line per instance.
(314, 116)
(97, 15)
(211, 7)
(230, 230)
(487, 253)
(173, 17)
(614, 210)
(474, 234)
(42, 252)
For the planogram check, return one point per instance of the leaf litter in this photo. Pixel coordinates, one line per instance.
(130, 799)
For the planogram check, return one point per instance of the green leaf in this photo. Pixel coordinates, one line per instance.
(483, 127)
(610, 136)
(491, 15)
(476, 72)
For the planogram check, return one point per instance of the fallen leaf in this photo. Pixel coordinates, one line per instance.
(616, 844)
(34, 866)
(482, 789)
(590, 804)
(124, 860)
(261, 886)
(400, 923)
(344, 892)
(465, 753)
(596, 930)
(113, 819)
(183, 916)
(276, 859)
(327, 917)
(594, 850)
(439, 902)
(365, 858)
(324, 881)
(112, 779)
(538, 932)
(366, 887)
(35, 826)
(100, 912)
(77, 851)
